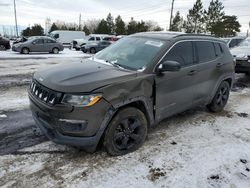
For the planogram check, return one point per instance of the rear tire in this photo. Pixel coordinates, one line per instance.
(220, 99)
(55, 51)
(2, 47)
(126, 132)
(25, 50)
(92, 50)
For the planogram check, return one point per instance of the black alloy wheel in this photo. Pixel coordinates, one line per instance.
(221, 97)
(126, 132)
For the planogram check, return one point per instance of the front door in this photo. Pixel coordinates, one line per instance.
(37, 45)
(175, 90)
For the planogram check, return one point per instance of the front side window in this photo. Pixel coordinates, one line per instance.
(38, 41)
(91, 38)
(182, 53)
(49, 41)
(206, 51)
(132, 52)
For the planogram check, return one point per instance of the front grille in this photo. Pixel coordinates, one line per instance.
(44, 94)
(241, 60)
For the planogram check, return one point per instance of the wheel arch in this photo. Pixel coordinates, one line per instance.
(230, 79)
(138, 103)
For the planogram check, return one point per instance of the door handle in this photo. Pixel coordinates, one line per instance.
(192, 72)
(219, 64)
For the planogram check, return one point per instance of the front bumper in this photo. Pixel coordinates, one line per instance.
(15, 49)
(94, 118)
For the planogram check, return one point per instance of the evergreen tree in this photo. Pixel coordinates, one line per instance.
(110, 23)
(119, 26)
(132, 27)
(53, 27)
(213, 15)
(177, 22)
(86, 30)
(228, 27)
(26, 32)
(103, 28)
(195, 19)
(37, 30)
(141, 26)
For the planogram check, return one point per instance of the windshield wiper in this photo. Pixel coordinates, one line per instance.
(115, 64)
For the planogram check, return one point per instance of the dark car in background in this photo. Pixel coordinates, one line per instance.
(4, 43)
(38, 44)
(20, 39)
(94, 47)
(110, 38)
(114, 97)
(241, 54)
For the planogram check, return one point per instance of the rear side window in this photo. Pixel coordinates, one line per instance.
(182, 53)
(206, 51)
(218, 50)
(92, 38)
(98, 38)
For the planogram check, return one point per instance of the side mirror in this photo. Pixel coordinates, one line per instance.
(169, 66)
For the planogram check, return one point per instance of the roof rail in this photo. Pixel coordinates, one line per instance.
(193, 34)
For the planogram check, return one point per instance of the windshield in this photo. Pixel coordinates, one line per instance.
(131, 52)
(245, 42)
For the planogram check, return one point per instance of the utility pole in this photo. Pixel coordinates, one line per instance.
(80, 20)
(171, 15)
(15, 17)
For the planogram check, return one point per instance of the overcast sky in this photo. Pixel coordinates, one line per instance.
(36, 11)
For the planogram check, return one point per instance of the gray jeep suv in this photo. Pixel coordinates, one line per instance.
(115, 96)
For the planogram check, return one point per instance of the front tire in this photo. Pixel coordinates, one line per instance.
(2, 47)
(220, 99)
(126, 132)
(92, 50)
(55, 51)
(25, 51)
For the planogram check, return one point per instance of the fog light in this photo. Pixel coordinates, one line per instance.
(72, 126)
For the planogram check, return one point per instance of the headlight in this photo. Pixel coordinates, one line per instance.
(81, 100)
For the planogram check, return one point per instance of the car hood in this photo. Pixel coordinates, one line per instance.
(240, 51)
(81, 76)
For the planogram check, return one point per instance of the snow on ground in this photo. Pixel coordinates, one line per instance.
(27, 66)
(193, 149)
(14, 98)
(6, 55)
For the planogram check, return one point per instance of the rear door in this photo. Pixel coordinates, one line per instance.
(209, 69)
(49, 45)
(174, 90)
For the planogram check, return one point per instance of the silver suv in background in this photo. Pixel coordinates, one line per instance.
(234, 41)
(77, 43)
(38, 44)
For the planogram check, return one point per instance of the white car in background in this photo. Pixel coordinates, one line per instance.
(66, 37)
(78, 42)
